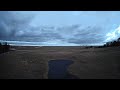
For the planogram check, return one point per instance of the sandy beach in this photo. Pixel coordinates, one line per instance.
(32, 62)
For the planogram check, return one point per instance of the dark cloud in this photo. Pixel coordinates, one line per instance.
(10, 24)
(88, 35)
(69, 29)
(39, 38)
(38, 34)
(18, 28)
(89, 30)
(84, 40)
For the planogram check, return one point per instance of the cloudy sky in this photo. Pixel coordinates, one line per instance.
(60, 27)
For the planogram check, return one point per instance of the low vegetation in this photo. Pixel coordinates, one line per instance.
(4, 47)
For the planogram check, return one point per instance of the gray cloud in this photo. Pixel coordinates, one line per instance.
(88, 35)
(15, 27)
(84, 40)
(10, 24)
(40, 34)
(40, 38)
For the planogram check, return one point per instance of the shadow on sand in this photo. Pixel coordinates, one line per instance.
(58, 69)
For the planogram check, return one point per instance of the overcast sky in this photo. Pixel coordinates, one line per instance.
(60, 27)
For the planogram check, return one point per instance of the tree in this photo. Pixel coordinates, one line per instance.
(118, 40)
(113, 43)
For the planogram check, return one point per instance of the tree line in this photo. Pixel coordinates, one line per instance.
(113, 43)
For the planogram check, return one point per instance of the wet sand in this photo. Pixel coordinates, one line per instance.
(32, 62)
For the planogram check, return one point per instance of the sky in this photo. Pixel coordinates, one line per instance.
(60, 28)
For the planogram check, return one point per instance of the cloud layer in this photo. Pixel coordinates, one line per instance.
(114, 35)
(11, 24)
(20, 26)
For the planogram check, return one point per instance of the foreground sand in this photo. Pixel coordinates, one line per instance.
(32, 62)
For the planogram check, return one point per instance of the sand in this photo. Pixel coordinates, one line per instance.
(32, 62)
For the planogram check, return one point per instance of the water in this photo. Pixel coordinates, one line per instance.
(58, 69)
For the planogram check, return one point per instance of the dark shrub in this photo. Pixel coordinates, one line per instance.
(4, 48)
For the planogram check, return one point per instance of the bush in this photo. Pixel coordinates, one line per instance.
(4, 48)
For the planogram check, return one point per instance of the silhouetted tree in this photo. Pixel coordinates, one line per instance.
(118, 40)
(113, 43)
